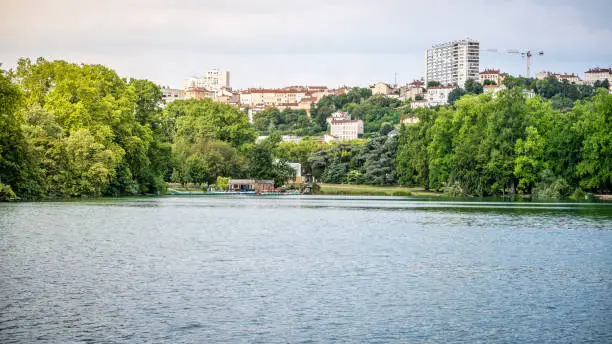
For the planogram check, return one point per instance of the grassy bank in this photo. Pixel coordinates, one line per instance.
(371, 190)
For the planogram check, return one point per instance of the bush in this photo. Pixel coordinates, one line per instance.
(558, 189)
(6, 193)
(454, 190)
(578, 195)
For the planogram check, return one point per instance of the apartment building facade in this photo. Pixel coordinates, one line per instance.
(343, 128)
(213, 80)
(597, 74)
(453, 63)
(171, 94)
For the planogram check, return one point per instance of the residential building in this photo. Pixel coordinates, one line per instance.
(272, 97)
(571, 78)
(410, 91)
(597, 74)
(213, 80)
(493, 89)
(338, 115)
(493, 75)
(342, 127)
(198, 93)
(381, 88)
(327, 138)
(438, 95)
(171, 94)
(227, 96)
(453, 63)
(415, 104)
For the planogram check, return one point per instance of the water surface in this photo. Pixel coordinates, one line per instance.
(305, 270)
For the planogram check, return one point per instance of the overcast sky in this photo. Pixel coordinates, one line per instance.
(273, 43)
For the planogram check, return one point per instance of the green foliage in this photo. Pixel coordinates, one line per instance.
(15, 162)
(69, 130)
(298, 152)
(455, 94)
(433, 83)
(551, 187)
(509, 144)
(289, 122)
(89, 132)
(223, 183)
(470, 87)
(602, 84)
(6, 193)
(473, 87)
(265, 162)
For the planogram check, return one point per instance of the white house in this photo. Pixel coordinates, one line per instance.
(438, 95)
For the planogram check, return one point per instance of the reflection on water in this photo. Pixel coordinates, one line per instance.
(305, 269)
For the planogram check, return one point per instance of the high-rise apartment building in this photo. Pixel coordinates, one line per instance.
(213, 80)
(453, 63)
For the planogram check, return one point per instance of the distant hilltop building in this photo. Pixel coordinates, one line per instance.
(213, 81)
(254, 100)
(571, 78)
(381, 88)
(171, 94)
(493, 75)
(453, 63)
(403, 93)
(597, 74)
(343, 128)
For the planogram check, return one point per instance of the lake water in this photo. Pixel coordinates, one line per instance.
(305, 270)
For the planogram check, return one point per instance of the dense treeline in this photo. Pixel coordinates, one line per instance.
(69, 130)
(562, 94)
(509, 144)
(288, 122)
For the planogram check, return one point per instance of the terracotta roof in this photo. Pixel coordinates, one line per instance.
(599, 70)
(490, 71)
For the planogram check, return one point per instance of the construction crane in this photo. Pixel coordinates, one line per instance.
(524, 54)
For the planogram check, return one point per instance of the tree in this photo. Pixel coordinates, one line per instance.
(473, 87)
(455, 94)
(433, 83)
(594, 124)
(14, 157)
(385, 128)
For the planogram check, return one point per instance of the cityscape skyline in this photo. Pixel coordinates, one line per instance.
(275, 44)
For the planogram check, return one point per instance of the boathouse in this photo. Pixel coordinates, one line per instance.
(245, 185)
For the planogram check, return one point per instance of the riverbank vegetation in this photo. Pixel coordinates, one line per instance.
(508, 144)
(69, 130)
(373, 190)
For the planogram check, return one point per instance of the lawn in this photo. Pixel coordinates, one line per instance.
(372, 190)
